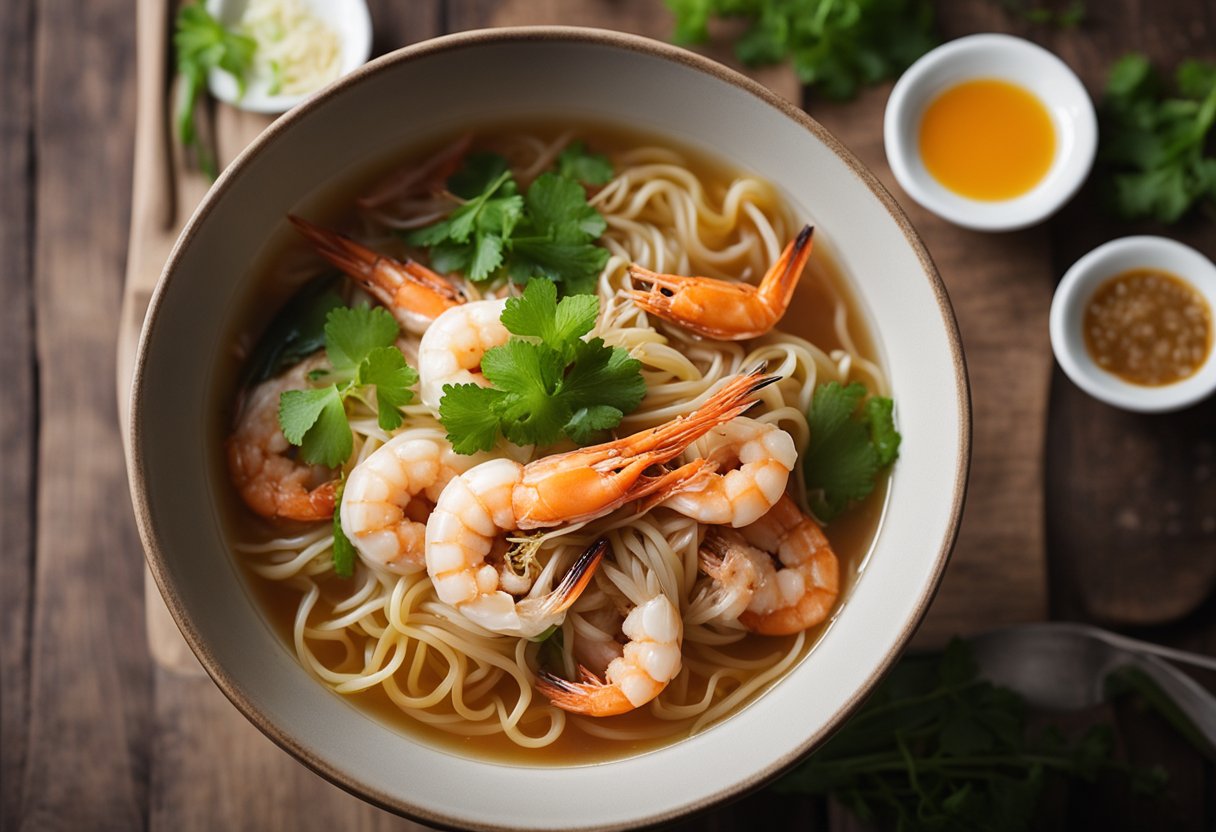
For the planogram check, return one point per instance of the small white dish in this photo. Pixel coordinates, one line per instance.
(350, 19)
(1078, 287)
(1004, 58)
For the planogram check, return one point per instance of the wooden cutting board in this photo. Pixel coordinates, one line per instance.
(1000, 285)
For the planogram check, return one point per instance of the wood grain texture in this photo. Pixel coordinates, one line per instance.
(1135, 545)
(18, 416)
(90, 684)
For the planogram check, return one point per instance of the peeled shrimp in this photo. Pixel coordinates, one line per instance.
(271, 482)
(758, 458)
(788, 599)
(479, 506)
(382, 510)
(649, 661)
(451, 348)
(413, 293)
(721, 309)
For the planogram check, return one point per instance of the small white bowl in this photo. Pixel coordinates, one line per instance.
(1074, 293)
(349, 18)
(1004, 58)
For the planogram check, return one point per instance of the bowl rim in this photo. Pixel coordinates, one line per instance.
(1083, 279)
(147, 525)
(904, 107)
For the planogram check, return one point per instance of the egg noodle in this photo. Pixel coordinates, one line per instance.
(388, 631)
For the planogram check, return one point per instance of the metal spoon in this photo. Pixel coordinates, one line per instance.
(1062, 666)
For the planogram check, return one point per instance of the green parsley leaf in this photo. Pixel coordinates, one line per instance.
(316, 421)
(469, 412)
(1155, 149)
(578, 163)
(359, 344)
(202, 44)
(847, 448)
(835, 45)
(344, 551)
(547, 381)
(549, 232)
(351, 333)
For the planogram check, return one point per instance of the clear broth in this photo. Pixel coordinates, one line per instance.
(811, 316)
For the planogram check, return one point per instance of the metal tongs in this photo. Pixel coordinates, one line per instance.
(1064, 667)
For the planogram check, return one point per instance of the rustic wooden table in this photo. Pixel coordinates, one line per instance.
(1076, 511)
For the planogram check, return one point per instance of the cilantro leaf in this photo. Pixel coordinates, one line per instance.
(847, 448)
(202, 44)
(578, 163)
(547, 381)
(351, 333)
(835, 45)
(344, 551)
(316, 421)
(469, 412)
(1155, 149)
(359, 343)
(549, 232)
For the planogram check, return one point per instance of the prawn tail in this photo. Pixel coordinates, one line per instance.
(590, 697)
(353, 259)
(777, 287)
(656, 298)
(576, 580)
(732, 400)
(689, 477)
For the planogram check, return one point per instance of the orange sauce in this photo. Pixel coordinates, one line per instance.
(1148, 327)
(987, 139)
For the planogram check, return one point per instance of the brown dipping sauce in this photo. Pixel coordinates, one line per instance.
(1148, 327)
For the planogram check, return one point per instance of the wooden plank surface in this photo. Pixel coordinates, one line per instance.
(18, 416)
(93, 736)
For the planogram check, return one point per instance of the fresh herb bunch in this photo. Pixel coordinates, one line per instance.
(548, 232)
(836, 45)
(938, 748)
(202, 44)
(547, 382)
(1159, 149)
(359, 343)
(850, 443)
(1067, 16)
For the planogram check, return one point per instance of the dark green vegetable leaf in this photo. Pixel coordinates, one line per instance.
(470, 415)
(316, 421)
(202, 44)
(295, 333)
(1157, 150)
(344, 551)
(351, 333)
(1061, 15)
(835, 45)
(849, 445)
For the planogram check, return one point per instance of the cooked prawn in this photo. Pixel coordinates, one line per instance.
(270, 481)
(479, 506)
(797, 595)
(384, 508)
(649, 661)
(450, 350)
(721, 309)
(754, 462)
(413, 293)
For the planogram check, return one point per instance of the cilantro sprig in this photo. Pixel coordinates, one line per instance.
(202, 44)
(548, 232)
(850, 443)
(936, 747)
(836, 46)
(1158, 148)
(546, 382)
(359, 345)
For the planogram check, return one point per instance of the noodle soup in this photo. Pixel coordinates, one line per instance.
(388, 643)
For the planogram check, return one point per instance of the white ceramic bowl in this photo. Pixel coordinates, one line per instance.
(1008, 59)
(348, 18)
(458, 82)
(1074, 293)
